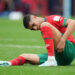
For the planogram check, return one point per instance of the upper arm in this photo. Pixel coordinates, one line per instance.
(69, 21)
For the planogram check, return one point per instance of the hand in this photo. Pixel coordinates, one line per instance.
(61, 45)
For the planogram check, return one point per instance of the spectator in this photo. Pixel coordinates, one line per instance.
(9, 5)
(39, 7)
(2, 4)
(26, 4)
(55, 6)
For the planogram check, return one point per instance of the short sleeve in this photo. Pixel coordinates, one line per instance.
(64, 22)
(59, 21)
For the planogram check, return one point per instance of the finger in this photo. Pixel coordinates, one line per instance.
(59, 51)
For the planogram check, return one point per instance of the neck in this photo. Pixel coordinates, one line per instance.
(41, 20)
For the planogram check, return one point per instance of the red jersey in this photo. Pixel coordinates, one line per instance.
(59, 22)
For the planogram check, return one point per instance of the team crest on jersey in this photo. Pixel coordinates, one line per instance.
(56, 18)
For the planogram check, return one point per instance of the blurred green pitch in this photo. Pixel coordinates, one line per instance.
(15, 40)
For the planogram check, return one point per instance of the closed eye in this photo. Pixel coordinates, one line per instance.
(32, 25)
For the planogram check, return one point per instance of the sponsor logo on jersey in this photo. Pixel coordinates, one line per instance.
(56, 18)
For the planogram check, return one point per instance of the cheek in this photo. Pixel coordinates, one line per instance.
(37, 23)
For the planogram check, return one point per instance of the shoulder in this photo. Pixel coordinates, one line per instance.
(54, 17)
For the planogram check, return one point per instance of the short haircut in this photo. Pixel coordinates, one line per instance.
(26, 20)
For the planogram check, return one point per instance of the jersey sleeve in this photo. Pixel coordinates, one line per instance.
(59, 21)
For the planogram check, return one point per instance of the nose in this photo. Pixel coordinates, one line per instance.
(35, 28)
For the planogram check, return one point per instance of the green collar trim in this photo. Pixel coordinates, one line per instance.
(64, 22)
(45, 19)
(47, 38)
(41, 33)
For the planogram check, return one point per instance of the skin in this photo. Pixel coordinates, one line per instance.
(31, 58)
(35, 23)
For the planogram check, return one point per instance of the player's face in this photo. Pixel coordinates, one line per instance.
(34, 23)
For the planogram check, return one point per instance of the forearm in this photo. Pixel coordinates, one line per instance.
(70, 29)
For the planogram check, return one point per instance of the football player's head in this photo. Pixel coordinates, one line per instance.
(32, 22)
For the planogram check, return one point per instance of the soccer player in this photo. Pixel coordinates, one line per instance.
(56, 32)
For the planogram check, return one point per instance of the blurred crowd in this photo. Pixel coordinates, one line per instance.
(43, 7)
(40, 7)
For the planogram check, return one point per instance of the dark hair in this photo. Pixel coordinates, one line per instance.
(26, 20)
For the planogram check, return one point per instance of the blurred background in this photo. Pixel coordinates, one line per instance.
(39, 7)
